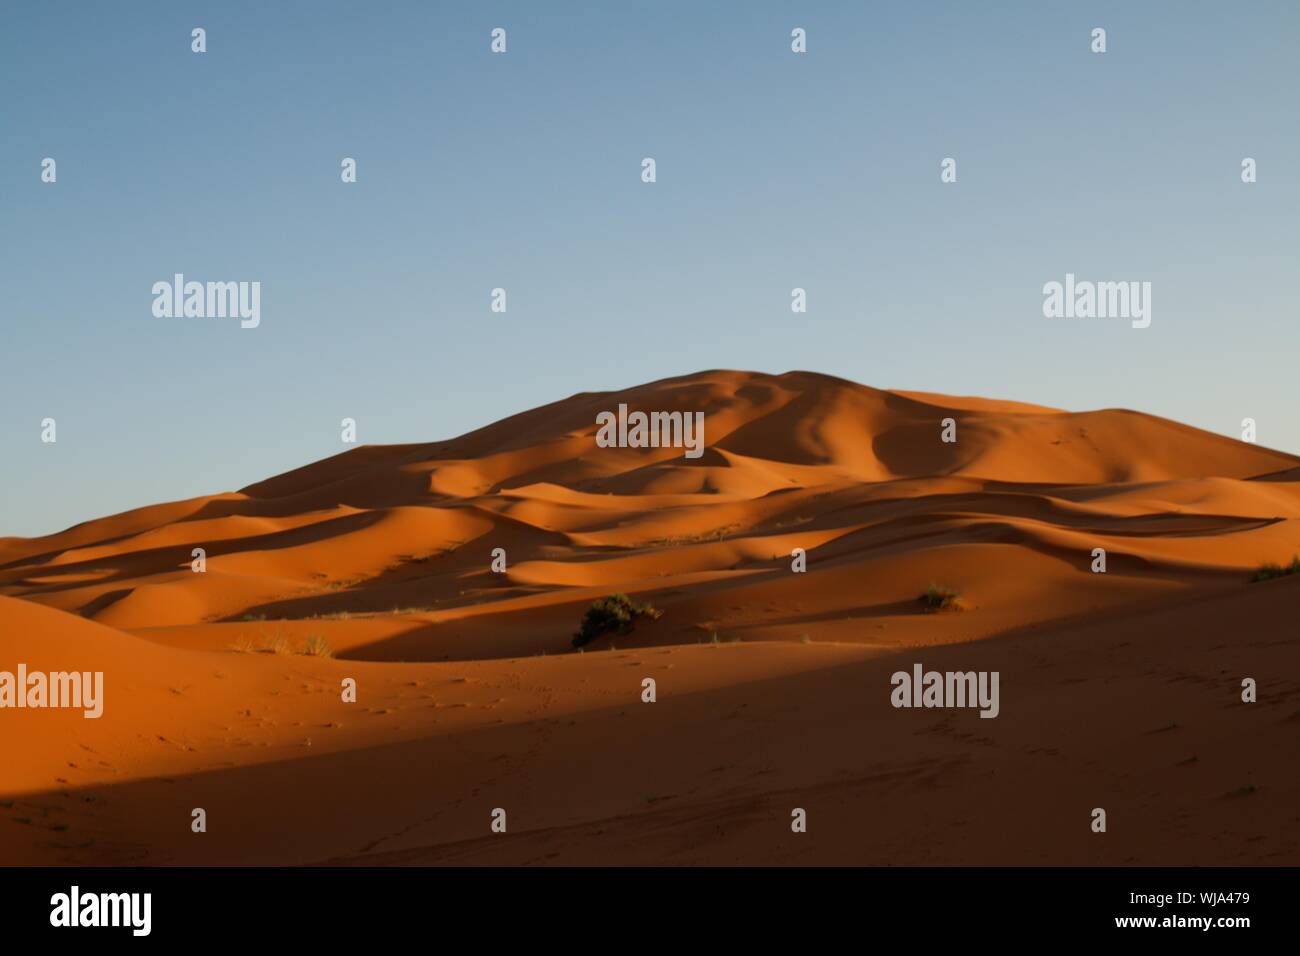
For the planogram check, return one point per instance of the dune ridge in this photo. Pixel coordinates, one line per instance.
(384, 552)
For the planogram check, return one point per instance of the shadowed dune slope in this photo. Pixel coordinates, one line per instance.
(1137, 713)
(857, 477)
(787, 560)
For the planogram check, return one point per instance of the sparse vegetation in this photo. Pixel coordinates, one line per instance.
(1267, 572)
(615, 613)
(278, 644)
(717, 534)
(317, 646)
(936, 598)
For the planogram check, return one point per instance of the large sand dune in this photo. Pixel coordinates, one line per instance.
(1121, 690)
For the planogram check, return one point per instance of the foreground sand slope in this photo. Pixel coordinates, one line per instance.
(1120, 689)
(1139, 715)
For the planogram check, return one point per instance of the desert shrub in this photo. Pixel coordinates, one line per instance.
(276, 644)
(615, 613)
(1267, 572)
(317, 646)
(936, 598)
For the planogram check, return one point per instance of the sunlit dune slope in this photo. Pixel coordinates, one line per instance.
(787, 559)
(386, 551)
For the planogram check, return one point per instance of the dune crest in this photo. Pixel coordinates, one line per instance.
(787, 558)
(857, 476)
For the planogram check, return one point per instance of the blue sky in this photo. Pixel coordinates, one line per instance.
(522, 171)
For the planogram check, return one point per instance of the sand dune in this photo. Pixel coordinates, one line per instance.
(774, 684)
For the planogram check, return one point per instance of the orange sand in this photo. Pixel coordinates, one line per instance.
(1118, 690)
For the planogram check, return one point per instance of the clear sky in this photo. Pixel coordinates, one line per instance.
(523, 171)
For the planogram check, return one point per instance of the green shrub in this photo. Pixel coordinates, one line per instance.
(936, 598)
(1267, 572)
(614, 613)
